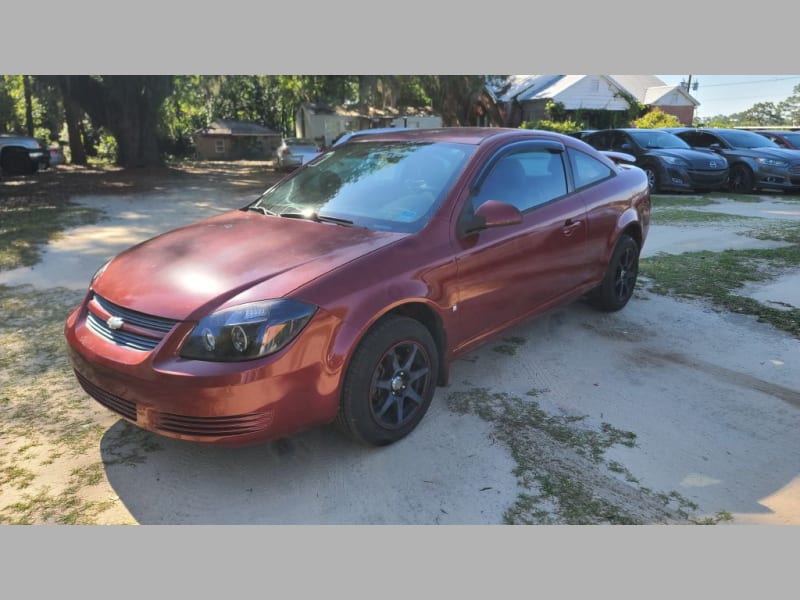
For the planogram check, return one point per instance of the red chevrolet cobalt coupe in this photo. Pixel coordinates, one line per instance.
(344, 292)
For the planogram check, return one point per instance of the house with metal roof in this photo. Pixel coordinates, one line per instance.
(525, 97)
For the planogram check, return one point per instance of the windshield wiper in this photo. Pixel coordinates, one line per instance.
(313, 216)
(337, 220)
(261, 209)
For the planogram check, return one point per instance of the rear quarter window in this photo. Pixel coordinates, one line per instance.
(586, 169)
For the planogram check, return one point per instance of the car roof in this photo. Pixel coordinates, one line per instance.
(634, 129)
(462, 135)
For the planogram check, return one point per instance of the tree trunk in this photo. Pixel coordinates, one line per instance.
(26, 85)
(72, 115)
(128, 106)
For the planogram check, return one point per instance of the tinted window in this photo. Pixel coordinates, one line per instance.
(746, 139)
(598, 140)
(524, 179)
(586, 169)
(657, 139)
(620, 141)
(700, 139)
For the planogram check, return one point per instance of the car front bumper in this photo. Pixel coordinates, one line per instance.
(231, 404)
(680, 178)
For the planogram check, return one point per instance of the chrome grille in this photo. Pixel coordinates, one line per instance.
(143, 341)
(136, 318)
(795, 169)
(119, 337)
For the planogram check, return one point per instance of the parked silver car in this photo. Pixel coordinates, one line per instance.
(295, 152)
(56, 155)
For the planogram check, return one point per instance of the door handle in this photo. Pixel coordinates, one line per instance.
(570, 226)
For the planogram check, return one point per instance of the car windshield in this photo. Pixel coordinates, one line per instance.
(657, 139)
(746, 139)
(391, 186)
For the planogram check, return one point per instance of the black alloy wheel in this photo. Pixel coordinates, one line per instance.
(390, 382)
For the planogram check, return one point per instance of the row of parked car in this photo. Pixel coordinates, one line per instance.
(22, 154)
(706, 159)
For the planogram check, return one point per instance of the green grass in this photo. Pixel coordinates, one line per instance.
(659, 201)
(672, 216)
(561, 466)
(48, 424)
(25, 229)
(717, 276)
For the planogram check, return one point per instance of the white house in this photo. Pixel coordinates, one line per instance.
(524, 97)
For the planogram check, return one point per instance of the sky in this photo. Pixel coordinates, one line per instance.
(729, 94)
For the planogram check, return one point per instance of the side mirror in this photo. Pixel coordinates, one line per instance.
(493, 213)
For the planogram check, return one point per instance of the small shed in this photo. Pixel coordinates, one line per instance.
(236, 140)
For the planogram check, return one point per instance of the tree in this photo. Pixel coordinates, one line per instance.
(790, 108)
(453, 95)
(760, 114)
(127, 106)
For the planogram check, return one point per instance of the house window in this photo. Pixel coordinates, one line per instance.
(219, 146)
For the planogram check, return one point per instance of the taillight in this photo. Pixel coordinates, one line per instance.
(320, 148)
(286, 152)
(53, 151)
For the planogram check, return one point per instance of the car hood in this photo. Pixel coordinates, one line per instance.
(698, 159)
(791, 156)
(188, 272)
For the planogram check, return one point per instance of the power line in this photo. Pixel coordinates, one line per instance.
(708, 85)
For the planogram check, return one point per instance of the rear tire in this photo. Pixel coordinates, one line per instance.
(652, 179)
(620, 279)
(390, 382)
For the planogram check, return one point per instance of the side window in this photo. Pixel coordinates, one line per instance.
(598, 140)
(524, 179)
(618, 140)
(703, 140)
(586, 169)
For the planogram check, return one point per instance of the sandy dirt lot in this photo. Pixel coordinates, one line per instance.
(667, 412)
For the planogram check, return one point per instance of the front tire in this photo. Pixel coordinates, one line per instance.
(620, 278)
(741, 180)
(390, 382)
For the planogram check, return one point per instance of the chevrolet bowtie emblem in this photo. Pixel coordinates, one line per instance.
(115, 323)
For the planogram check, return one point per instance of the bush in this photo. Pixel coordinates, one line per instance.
(656, 118)
(564, 127)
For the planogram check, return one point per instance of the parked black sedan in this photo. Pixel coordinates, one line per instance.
(670, 163)
(755, 161)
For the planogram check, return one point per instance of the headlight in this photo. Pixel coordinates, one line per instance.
(671, 160)
(247, 331)
(772, 162)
